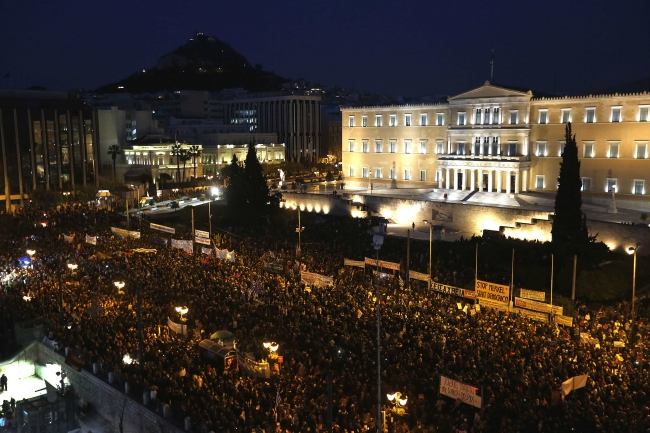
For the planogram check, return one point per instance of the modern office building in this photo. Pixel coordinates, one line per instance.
(48, 140)
(501, 140)
(295, 118)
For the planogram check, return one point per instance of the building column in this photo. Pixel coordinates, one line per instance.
(490, 173)
(447, 185)
(473, 180)
(464, 173)
(479, 174)
(508, 182)
(455, 176)
(524, 181)
(517, 182)
(499, 179)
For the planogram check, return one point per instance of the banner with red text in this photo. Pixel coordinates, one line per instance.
(460, 391)
(382, 264)
(492, 292)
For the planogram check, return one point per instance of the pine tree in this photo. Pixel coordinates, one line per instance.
(257, 192)
(569, 229)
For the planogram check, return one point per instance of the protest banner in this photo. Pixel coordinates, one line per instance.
(535, 315)
(203, 241)
(184, 245)
(177, 327)
(538, 306)
(576, 382)
(201, 234)
(316, 279)
(418, 276)
(125, 233)
(564, 320)
(495, 305)
(224, 254)
(355, 263)
(449, 290)
(68, 239)
(205, 250)
(532, 294)
(273, 268)
(162, 228)
(91, 240)
(382, 264)
(460, 391)
(492, 292)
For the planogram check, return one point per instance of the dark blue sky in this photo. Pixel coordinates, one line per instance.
(394, 47)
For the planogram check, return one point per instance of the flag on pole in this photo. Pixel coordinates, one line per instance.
(278, 399)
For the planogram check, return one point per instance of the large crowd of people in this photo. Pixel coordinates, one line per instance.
(325, 334)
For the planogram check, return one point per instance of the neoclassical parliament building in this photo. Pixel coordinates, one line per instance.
(501, 140)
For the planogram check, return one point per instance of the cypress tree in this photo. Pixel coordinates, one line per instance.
(236, 191)
(257, 192)
(569, 230)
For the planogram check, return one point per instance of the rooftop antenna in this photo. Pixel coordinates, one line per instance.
(492, 66)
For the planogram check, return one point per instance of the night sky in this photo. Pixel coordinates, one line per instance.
(410, 48)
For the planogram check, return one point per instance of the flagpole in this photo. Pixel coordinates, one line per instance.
(476, 272)
(552, 266)
(512, 276)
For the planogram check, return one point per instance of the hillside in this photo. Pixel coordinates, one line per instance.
(203, 63)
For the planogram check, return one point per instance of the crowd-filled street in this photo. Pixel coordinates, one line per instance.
(516, 364)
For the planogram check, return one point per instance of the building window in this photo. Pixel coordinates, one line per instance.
(440, 147)
(495, 146)
(351, 146)
(541, 148)
(460, 148)
(407, 120)
(512, 149)
(586, 184)
(364, 121)
(613, 150)
(486, 116)
(478, 117)
(377, 173)
(392, 120)
(408, 146)
(539, 181)
(612, 184)
(561, 147)
(514, 117)
(407, 174)
(543, 117)
(393, 146)
(643, 114)
(378, 120)
(641, 150)
(590, 115)
(589, 150)
(437, 176)
(440, 119)
(616, 114)
(351, 171)
(496, 116)
(364, 172)
(639, 186)
(486, 146)
(566, 115)
(424, 119)
(351, 121)
(377, 146)
(423, 175)
(461, 119)
(477, 146)
(391, 174)
(364, 146)
(423, 147)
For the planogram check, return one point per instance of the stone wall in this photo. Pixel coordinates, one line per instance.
(467, 218)
(108, 401)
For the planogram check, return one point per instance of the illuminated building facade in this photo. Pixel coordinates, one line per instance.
(501, 140)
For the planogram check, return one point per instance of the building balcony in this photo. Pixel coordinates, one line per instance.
(512, 158)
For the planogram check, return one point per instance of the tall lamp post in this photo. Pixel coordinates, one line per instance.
(430, 223)
(377, 242)
(299, 229)
(632, 250)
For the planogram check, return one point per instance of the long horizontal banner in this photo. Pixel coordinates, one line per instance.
(163, 228)
(418, 276)
(316, 279)
(492, 304)
(449, 290)
(274, 268)
(125, 233)
(184, 245)
(203, 241)
(355, 263)
(92, 240)
(492, 292)
(564, 320)
(177, 327)
(539, 306)
(460, 391)
(382, 264)
(532, 294)
(535, 315)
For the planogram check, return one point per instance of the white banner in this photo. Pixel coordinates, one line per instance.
(539, 306)
(177, 327)
(91, 240)
(145, 250)
(203, 241)
(535, 315)
(201, 234)
(184, 245)
(316, 279)
(224, 254)
(205, 250)
(576, 382)
(532, 294)
(460, 391)
(163, 228)
(68, 238)
(418, 276)
(355, 263)
(564, 320)
(125, 233)
(495, 305)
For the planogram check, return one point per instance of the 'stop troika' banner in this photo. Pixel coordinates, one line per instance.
(492, 292)
(460, 391)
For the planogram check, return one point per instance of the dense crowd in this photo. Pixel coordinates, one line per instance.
(516, 364)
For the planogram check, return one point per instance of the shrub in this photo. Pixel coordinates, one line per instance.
(329, 177)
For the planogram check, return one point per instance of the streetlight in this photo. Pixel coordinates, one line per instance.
(377, 242)
(31, 256)
(120, 285)
(299, 230)
(272, 347)
(430, 223)
(181, 311)
(73, 267)
(632, 250)
(399, 402)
